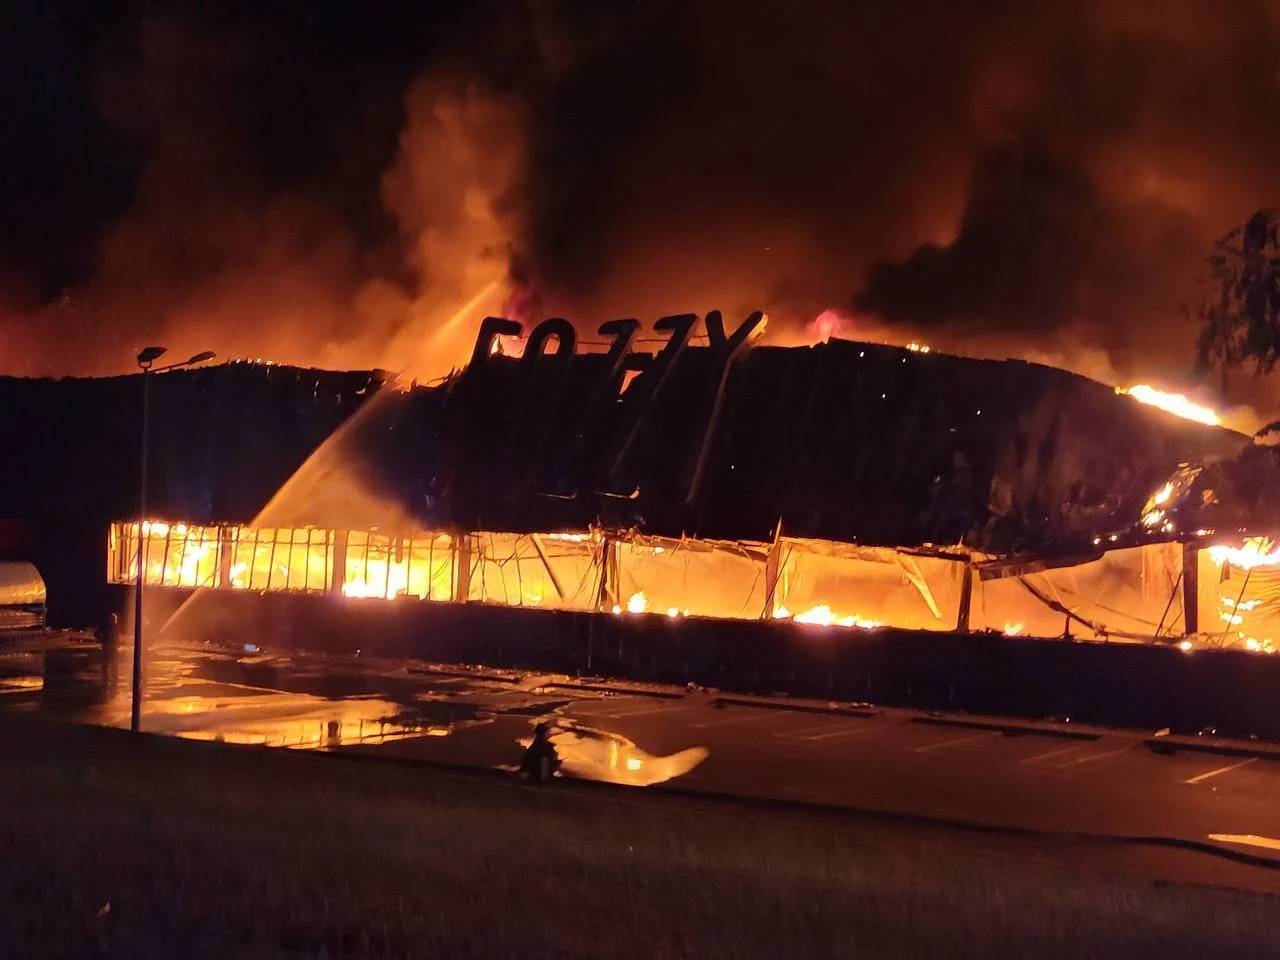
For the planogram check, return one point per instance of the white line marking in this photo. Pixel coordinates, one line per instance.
(807, 731)
(1091, 758)
(1213, 773)
(956, 741)
(837, 734)
(745, 718)
(1055, 753)
(662, 707)
(637, 711)
(1246, 838)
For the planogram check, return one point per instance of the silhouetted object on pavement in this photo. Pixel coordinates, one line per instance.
(540, 761)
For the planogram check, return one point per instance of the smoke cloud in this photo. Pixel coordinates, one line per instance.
(259, 232)
(1001, 178)
(998, 178)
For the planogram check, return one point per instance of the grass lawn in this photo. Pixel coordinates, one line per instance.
(155, 848)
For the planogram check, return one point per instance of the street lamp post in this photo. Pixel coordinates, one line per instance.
(146, 360)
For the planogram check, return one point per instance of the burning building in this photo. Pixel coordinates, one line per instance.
(844, 485)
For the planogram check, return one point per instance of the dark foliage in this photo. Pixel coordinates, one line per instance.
(1241, 321)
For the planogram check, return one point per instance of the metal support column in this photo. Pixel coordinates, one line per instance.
(772, 569)
(339, 572)
(1191, 588)
(462, 567)
(966, 599)
(226, 554)
(140, 574)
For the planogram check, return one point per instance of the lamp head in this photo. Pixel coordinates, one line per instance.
(149, 355)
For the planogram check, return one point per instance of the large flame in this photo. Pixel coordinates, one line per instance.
(1175, 403)
(1249, 620)
(382, 580)
(565, 571)
(1256, 552)
(1153, 514)
(823, 616)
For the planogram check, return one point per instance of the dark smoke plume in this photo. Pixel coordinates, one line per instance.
(998, 176)
(1047, 176)
(1039, 247)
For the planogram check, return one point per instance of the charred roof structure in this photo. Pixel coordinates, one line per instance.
(843, 441)
(223, 439)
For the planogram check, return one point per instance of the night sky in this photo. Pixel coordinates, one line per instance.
(328, 182)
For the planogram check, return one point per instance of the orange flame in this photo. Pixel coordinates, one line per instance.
(381, 580)
(1175, 403)
(1256, 552)
(822, 615)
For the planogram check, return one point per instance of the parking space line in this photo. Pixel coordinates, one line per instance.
(956, 741)
(1213, 773)
(823, 734)
(666, 706)
(807, 731)
(1091, 758)
(751, 717)
(1055, 753)
(1248, 839)
(640, 711)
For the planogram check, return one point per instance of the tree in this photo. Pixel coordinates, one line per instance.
(1241, 321)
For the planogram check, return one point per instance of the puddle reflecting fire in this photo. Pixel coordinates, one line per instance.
(286, 720)
(589, 753)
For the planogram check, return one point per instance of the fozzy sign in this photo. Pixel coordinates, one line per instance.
(557, 337)
(624, 456)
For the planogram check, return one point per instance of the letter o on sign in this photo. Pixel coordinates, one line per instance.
(562, 330)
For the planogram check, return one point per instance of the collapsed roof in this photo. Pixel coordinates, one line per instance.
(842, 441)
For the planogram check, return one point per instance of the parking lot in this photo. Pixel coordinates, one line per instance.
(1023, 776)
(1061, 780)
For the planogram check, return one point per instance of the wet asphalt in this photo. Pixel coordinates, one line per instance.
(920, 770)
